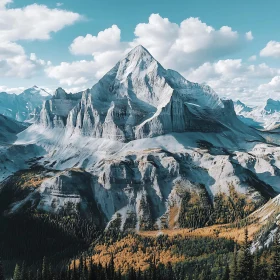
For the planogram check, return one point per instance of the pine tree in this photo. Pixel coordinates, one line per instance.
(74, 273)
(245, 264)
(233, 266)
(23, 272)
(85, 270)
(226, 273)
(118, 275)
(81, 267)
(38, 275)
(276, 257)
(131, 274)
(170, 274)
(1, 271)
(30, 275)
(45, 269)
(91, 270)
(112, 267)
(17, 273)
(50, 272)
(257, 267)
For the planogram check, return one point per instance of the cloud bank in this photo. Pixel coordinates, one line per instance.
(33, 22)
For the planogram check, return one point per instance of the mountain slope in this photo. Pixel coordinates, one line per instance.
(9, 129)
(156, 150)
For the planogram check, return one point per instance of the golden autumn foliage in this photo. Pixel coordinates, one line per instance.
(129, 252)
(222, 231)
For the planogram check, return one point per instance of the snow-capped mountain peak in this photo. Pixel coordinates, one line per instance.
(24, 106)
(35, 91)
(140, 77)
(265, 117)
(139, 53)
(198, 144)
(138, 98)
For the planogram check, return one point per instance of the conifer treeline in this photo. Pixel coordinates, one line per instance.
(257, 266)
(242, 265)
(89, 271)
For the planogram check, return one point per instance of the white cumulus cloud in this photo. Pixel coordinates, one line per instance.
(176, 46)
(106, 40)
(32, 22)
(252, 58)
(188, 44)
(16, 90)
(84, 72)
(233, 78)
(271, 49)
(249, 36)
(15, 63)
(3, 3)
(272, 86)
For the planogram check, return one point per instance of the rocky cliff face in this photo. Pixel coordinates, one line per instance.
(55, 111)
(165, 182)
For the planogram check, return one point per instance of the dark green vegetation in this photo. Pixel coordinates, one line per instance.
(29, 235)
(223, 264)
(197, 209)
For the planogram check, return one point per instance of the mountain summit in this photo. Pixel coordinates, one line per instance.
(35, 91)
(138, 98)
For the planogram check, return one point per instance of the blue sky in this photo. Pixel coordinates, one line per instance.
(237, 61)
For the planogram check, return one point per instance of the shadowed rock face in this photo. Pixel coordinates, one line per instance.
(9, 129)
(55, 111)
(138, 98)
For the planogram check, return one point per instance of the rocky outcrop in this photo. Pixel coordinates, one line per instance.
(55, 111)
(154, 189)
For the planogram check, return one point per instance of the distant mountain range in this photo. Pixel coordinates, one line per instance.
(24, 106)
(266, 117)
